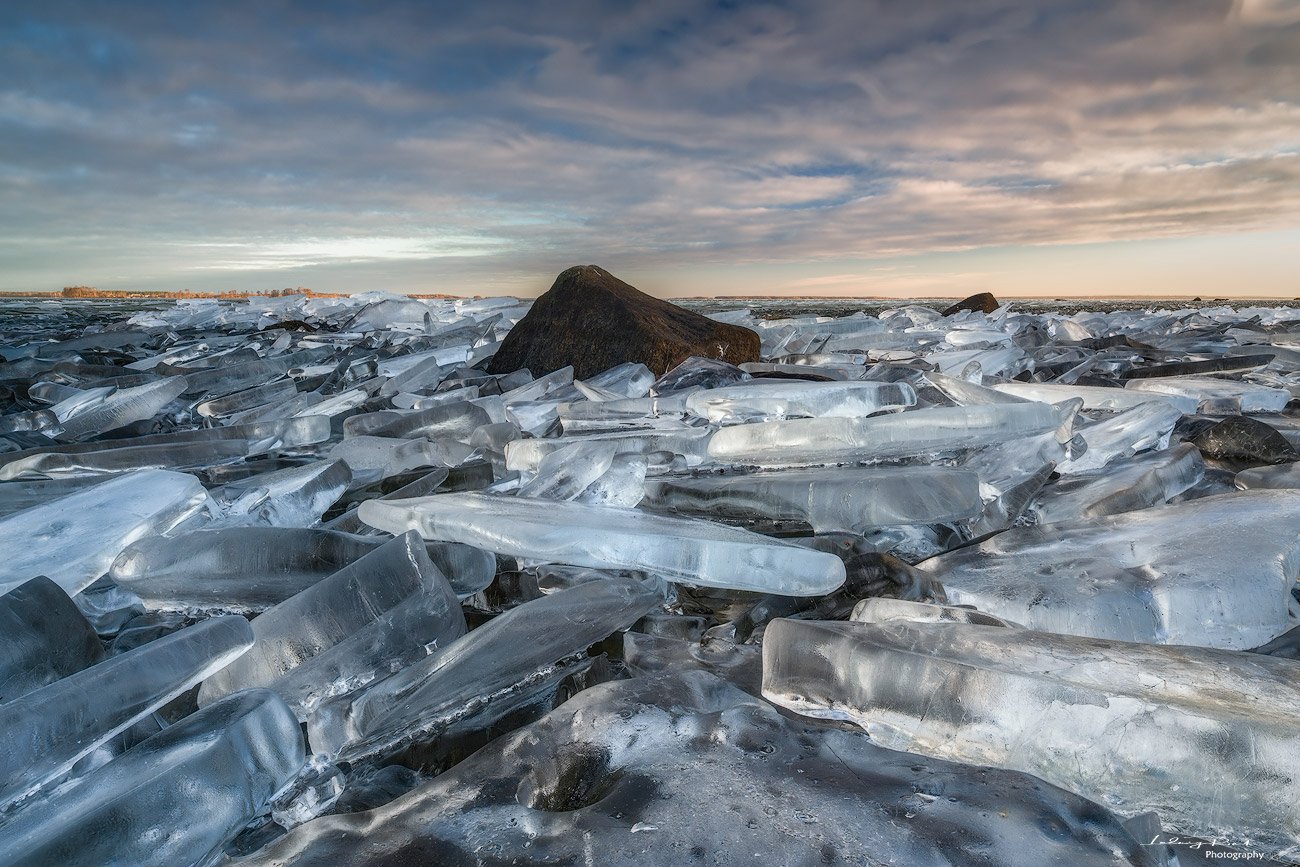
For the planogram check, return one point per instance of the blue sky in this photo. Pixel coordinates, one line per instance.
(886, 148)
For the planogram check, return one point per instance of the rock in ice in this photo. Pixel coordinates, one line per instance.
(45, 638)
(1212, 572)
(176, 798)
(73, 540)
(679, 549)
(1205, 738)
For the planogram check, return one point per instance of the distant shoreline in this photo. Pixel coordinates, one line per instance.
(80, 294)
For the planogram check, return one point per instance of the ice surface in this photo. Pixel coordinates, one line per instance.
(494, 662)
(679, 549)
(45, 638)
(73, 540)
(177, 798)
(389, 608)
(848, 499)
(1182, 731)
(1214, 572)
(765, 400)
(44, 732)
(838, 440)
(661, 770)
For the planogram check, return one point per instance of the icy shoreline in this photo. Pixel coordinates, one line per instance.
(518, 615)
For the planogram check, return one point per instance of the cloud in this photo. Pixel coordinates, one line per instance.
(468, 145)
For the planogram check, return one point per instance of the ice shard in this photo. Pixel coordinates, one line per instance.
(1213, 572)
(1145, 426)
(372, 458)
(842, 499)
(1094, 396)
(1204, 738)
(1124, 486)
(385, 610)
(73, 540)
(119, 409)
(177, 798)
(249, 569)
(840, 440)
(494, 662)
(679, 549)
(766, 400)
(690, 442)
(293, 497)
(45, 732)
(1214, 395)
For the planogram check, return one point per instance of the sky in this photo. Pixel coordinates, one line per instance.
(890, 148)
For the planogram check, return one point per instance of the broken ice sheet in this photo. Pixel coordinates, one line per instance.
(1213, 572)
(679, 549)
(1215, 395)
(177, 798)
(293, 497)
(389, 608)
(1145, 426)
(249, 569)
(917, 432)
(1205, 738)
(849, 499)
(637, 770)
(1138, 482)
(766, 400)
(45, 732)
(73, 540)
(496, 662)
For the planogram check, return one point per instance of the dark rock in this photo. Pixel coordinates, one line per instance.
(592, 320)
(981, 302)
(1244, 442)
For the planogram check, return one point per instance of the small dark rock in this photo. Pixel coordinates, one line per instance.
(592, 320)
(981, 302)
(1244, 442)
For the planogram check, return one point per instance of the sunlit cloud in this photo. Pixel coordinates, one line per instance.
(481, 146)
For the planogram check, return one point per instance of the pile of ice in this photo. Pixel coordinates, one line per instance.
(296, 581)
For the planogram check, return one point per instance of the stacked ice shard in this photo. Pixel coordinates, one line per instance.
(1052, 555)
(1205, 738)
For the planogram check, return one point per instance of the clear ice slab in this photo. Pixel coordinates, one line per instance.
(492, 664)
(249, 569)
(842, 499)
(1212, 572)
(917, 432)
(384, 611)
(767, 400)
(678, 549)
(73, 540)
(1204, 738)
(45, 732)
(659, 770)
(1139, 482)
(176, 798)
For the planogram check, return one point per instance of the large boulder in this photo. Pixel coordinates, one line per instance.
(981, 302)
(592, 320)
